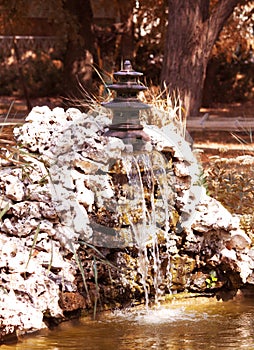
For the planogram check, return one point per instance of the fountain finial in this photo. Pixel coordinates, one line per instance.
(127, 65)
(126, 106)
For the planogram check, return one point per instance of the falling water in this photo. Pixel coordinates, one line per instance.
(145, 207)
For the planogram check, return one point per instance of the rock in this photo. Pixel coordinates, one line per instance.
(181, 268)
(86, 165)
(5, 203)
(84, 195)
(25, 208)
(14, 188)
(27, 287)
(38, 192)
(229, 259)
(210, 213)
(21, 228)
(65, 200)
(199, 281)
(72, 301)
(47, 211)
(237, 242)
(20, 316)
(181, 169)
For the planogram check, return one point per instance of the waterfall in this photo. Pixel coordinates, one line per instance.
(146, 209)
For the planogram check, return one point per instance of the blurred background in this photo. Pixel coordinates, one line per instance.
(66, 48)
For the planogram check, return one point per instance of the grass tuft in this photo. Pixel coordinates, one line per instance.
(166, 108)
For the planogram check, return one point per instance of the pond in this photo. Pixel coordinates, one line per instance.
(196, 325)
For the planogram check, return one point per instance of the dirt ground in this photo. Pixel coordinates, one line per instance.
(224, 130)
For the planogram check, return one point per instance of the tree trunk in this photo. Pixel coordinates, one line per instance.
(192, 32)
(209, 87)
(127, 31)
(78, 59)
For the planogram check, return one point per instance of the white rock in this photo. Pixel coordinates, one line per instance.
(113, 147)
(13, 187)
(41, 237)
(229, 254)
(73, 144)
(210, 213)
(21, 227)
(38, 113)
(245, 270)
(85, 165)
(103, 119)
(47, 210)
(80, 221)
(5, 203)
(181, 169)
(26, 208)
(240, 232)
(84, 195)
(38, 192)
(45, 226)
(66, 236)
(59, 113)
(74, 114)
(19, 314)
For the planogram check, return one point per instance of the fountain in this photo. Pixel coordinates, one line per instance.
(126, 107)
(136, 211)
(123, 207)
(142, 179)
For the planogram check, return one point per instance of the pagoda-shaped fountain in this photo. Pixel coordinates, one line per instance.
(126, 106)
(140, 177)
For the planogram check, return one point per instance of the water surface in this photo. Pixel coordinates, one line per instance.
(213, 325)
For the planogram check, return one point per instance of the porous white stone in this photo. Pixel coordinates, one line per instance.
(5, 203)
(38, 192)
(13, 187)
(20, 227)
(26, 208)
(113, 147)
(87, 166)
(181, 169)
(228, 254)
(19, 314)
(84, 195)
(209, 213)
(102, 118)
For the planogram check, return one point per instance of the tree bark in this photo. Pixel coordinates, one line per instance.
(78, 59)
(127, 31)
(192, 31)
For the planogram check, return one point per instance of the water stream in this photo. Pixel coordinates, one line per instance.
(145, 206)
(200, 325)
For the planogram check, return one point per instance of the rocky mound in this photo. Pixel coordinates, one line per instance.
(52, 266)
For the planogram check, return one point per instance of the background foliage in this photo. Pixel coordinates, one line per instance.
(230, 70)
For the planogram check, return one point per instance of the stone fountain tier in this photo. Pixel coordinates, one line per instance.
(40, 239)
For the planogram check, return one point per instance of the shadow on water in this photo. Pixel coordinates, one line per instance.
(209, 325)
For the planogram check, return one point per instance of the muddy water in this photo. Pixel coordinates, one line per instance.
(213, 325)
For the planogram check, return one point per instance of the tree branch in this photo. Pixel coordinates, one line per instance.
(219, 16)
